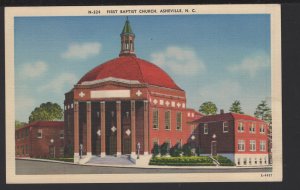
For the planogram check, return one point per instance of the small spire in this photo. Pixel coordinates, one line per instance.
(127, 40)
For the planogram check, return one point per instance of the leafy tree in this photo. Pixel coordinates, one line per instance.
(46, 111)
(164, 149)
(208, 108)
(175, 151)
(236, 107)
(19, 124)
(186, 149)
(155, 150)
(263, 112)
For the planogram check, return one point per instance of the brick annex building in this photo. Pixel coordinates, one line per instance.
(241, 138)
(123, 105)
(40, 139)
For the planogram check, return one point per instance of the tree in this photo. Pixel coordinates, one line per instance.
(186, 149)
(208, 108)
(236, 107)
(263, 112)
(19, 124)
(164, 149)
(175, 151)
(46, 111)
(155, 150)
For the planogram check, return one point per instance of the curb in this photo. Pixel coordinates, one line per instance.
(147, 167)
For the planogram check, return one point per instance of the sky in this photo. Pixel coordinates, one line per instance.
(218, 58)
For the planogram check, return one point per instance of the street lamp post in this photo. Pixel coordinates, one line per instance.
(52, 142)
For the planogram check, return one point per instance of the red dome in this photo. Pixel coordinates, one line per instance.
(131, 68)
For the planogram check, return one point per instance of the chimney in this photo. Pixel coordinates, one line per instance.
(221, 111)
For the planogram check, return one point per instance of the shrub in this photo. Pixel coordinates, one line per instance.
(182, 161)
(164, 149)
(175, 151)
(186, 149)
(224, 161)
(199, 151)
(155, 150)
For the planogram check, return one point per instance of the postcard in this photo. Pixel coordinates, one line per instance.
(137, 94)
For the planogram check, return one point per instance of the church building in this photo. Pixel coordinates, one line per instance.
(124, 106)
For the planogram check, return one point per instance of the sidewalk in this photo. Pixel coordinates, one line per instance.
(147, 166)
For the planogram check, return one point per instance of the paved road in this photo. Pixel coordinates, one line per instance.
(28, 167)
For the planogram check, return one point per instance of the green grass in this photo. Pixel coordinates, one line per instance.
(182, 161)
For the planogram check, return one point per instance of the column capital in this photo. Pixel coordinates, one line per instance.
(118, 102)
(102, 102)
(146, 101)
(88, 102)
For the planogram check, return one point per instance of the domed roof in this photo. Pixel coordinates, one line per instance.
(131, 68)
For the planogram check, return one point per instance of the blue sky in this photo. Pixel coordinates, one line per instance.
(219, 58)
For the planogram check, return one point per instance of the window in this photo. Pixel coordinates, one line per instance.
(250, 162)
(245, 161)
(262, 146)
(252, 128)
(61, 151)
(27, 132)
(238, 161)
(193, 129)
(178, 120)
(168, 142)
(155, 118)
(225, 127)
(179, 143)
(241, 127)
(262, 129)
(167, 120)
(155, 141)
(255, 160)
(61, 134)
(252, 145)
(26, 149)
(241, 145)
(39, 133)
(205, 128)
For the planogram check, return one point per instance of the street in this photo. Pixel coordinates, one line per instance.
(29, 167)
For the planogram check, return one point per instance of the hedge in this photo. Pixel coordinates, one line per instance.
(182, 161)
(224, 161)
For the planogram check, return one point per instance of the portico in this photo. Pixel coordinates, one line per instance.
(111, 127)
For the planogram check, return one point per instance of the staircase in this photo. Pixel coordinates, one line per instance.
(215, 161)
(111, 160)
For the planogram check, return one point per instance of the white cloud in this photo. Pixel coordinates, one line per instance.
(251, 65)
(179, 60)
(83, 50)
(60, 84)
(33, 70)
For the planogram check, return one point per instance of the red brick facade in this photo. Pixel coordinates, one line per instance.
(34, 140)
(241, 138)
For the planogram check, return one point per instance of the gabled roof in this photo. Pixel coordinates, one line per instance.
(226, 117)
(44, 124)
